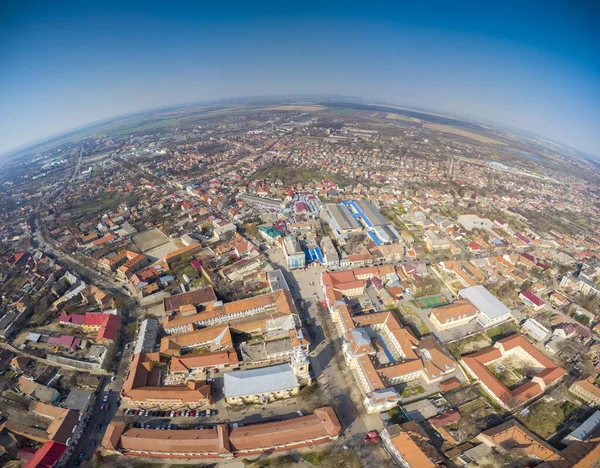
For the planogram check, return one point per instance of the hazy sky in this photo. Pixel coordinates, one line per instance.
(533, 65)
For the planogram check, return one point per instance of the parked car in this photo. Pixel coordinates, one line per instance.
(203, 413)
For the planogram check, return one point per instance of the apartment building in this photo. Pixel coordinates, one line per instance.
(277, 303)
(587, 391)
(143, 386)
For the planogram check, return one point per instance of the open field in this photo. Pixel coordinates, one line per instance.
(147, 126)
(344, 111)
(463, 133)
(401, 117)
(545, 417)
(476, 416)
(296, 108)
(95, 158)
(470, 344)
(150, 239)
(502, 330)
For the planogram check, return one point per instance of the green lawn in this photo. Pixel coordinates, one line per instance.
(413, 317)
(502, 331)
(412, 391)
(147, 126)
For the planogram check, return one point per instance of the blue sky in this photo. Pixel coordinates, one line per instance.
(532, 65)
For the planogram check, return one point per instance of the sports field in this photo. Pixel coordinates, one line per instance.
(429, 302)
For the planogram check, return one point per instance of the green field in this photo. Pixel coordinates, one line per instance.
(430, 302)
(345, 111)
(146, 126)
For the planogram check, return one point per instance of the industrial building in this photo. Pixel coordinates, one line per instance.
(358, 216)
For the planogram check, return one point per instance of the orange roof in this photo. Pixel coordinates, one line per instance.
(478, 361)
(196, 361)
(279, 301)
(318, 427)
(588, 385)
(410, 451)
(372, 376)
(513, 436)
(219, 335)
(182, 251)
(143, 380)
(104, 239)
(458, 309)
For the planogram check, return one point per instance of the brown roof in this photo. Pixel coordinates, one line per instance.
(200, 296)
(195, 361)
(458, 309)
(588, 385)
(277, 302)
(513, 436)
(322, 424)
(218, 335)
(413, 446)
(477, 363)
(143, 383)
(63, 420)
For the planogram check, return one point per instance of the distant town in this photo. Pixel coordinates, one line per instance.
(314, 284)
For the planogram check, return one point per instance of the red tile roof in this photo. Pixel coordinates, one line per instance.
(46, 456)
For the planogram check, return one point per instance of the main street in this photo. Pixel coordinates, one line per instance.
(98, 417)
(336, 383)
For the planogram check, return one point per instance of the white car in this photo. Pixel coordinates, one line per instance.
(113, 378)
(105, 398)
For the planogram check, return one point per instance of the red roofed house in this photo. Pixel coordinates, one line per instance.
(64, 340)
(47, 456)
(105, 324)
(73, 320)
(531, 300)
(474, 247)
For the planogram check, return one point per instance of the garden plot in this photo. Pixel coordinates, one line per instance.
(512, 371)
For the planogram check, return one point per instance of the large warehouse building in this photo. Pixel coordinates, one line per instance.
(361, 215)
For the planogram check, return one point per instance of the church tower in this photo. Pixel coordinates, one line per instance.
(300, 366)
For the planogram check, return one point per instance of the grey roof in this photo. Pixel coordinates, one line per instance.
(257, 381)
(342, 217)
(371, 212)
(586, 428)
(485, 301)
(360, 336)
(146, 338)
(77, 399)
(536, 329)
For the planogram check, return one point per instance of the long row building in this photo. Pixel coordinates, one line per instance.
(224, 442)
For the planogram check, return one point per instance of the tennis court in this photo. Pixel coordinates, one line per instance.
(429, 302)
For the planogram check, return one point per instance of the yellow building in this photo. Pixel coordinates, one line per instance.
(587, 391)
